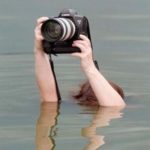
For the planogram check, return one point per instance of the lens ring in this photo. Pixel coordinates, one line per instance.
(58, 29)
(68, 28)
(73, 29)
(49, 25)
(64, 28)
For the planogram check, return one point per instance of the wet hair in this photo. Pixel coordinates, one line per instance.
(86, 96)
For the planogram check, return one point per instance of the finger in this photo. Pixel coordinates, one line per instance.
(84, 43)
(41, 20)
(39, 27)
(82, 47)
(83, 37)
(39, 37)
(38, 34)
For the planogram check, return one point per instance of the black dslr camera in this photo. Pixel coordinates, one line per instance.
(60, 32)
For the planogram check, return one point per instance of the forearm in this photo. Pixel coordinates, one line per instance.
(105, 93)
(44, 77)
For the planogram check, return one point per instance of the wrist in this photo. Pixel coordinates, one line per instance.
(88, 66)
(38, 51)
(38, 45)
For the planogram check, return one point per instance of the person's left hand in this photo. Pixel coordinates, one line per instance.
(38, 47)
(86, 51)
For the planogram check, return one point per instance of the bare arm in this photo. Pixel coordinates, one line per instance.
(43, 72)
(105, 93)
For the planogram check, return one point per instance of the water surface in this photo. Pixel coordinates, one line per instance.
(121, 38)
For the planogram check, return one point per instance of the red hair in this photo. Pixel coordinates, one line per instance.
(86, 96)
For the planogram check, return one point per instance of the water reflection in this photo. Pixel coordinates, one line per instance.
(45, 127)
(102, 118)
(47, 121)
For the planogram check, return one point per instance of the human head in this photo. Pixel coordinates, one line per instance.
(86, 96)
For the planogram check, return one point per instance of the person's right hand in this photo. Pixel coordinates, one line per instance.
(84, 44)
(38, 36)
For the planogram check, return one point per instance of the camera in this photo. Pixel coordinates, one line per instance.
(60, 32)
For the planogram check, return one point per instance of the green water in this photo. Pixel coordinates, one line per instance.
(121, 37)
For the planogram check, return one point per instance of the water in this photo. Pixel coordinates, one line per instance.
(120, 33)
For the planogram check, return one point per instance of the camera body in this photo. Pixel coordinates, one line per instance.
(60, 32)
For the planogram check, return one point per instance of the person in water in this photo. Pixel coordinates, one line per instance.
(96, 91)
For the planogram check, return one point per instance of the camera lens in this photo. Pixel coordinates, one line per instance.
(54, 30)
(58, 29)
(51, 30)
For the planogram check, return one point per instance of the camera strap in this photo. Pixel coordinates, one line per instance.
(53, 71)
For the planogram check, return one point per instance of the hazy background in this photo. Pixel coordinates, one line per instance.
(120, 32)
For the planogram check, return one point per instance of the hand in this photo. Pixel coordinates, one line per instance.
(38, 36)
(86, 52)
